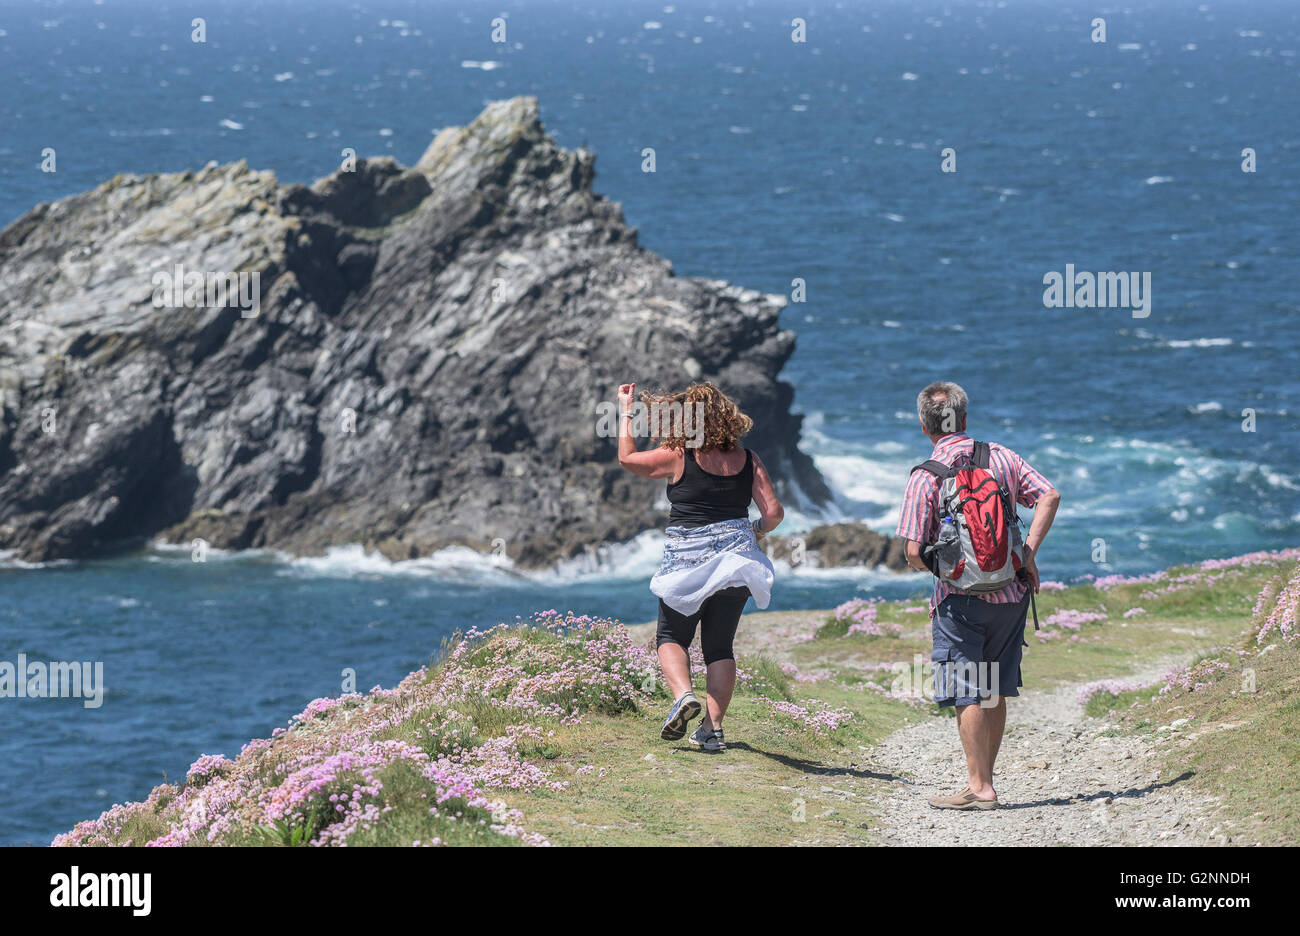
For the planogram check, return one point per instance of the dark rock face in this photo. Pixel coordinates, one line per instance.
(843, 544)
(423, 369)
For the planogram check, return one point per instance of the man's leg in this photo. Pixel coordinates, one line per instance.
(1003, 649)
(960, 633)
(997, 725)
(976, 726)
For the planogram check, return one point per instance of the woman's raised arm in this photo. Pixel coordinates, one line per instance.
(653, 463)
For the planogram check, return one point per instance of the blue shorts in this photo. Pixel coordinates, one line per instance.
(977, 649)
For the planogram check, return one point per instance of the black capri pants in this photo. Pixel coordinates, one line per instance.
(718, 618)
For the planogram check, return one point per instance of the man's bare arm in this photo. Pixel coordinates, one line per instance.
(914, 560)
(1044, 514)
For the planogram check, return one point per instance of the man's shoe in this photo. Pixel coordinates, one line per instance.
(963, 800)
(707, 739)
(679, 717)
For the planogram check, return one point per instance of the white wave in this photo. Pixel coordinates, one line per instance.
(638, 558)
(1277, 479)
(231, 125)
(485, 66)
(868, 480)
(454, 564)
(861, 574)
(864, 480)
(1212, 406)
(160, 551)
(9, 560)
(802, 513)
(1159, 179)
(1199, 343)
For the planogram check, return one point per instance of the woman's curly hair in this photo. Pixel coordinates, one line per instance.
(724, 423)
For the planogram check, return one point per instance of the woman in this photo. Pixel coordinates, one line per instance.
(712, 562)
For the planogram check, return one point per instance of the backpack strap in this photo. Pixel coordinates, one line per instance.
(979, 457)
(936, 468)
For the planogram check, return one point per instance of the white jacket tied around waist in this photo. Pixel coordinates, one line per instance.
(699, 561)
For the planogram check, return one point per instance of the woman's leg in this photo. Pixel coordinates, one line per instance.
(677, 668)
(720, 683)
(719, 618)
(675, 633)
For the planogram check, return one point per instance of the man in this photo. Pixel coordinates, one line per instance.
(972, 632)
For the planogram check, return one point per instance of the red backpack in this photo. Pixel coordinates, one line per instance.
(979, 548)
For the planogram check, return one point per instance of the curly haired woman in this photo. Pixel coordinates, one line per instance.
(712, 562)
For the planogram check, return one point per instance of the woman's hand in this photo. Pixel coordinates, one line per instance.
(626, 396)
(654, 463)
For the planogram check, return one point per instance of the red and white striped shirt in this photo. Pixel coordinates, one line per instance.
(918, 518)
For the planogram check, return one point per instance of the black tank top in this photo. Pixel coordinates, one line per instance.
(700, 498)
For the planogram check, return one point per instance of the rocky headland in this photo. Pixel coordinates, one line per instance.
(421, 366)
(841, 544)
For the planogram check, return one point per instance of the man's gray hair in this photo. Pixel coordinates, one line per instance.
(942, 407)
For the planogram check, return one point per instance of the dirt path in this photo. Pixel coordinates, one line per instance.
(1059, 781)
(1061, 778)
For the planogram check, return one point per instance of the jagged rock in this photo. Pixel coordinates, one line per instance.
(843, 544)
(423, 369)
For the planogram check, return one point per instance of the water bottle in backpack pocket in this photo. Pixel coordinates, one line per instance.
(947, 548)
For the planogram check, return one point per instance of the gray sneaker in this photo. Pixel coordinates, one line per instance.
(679, 717)
(707, 739)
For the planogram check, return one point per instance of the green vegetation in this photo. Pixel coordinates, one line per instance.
(1231, 719)
(548, 731)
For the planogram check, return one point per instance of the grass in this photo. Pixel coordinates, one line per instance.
(552, 731)
(776, 776)
(1103, 703)
(1191, 621)
(1235, 730)
(775, 784)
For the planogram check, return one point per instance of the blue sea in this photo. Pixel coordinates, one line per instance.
(777, 161)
